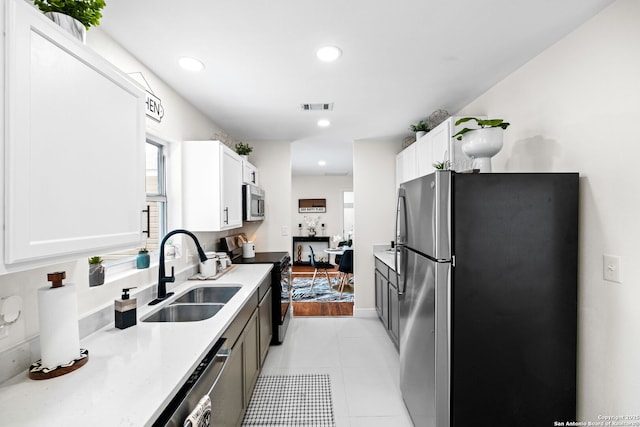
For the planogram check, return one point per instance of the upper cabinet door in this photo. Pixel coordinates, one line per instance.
(231, 189)
(74, 145)
(211, 186)
(249, 173)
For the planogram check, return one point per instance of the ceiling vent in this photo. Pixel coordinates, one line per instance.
(317, 107)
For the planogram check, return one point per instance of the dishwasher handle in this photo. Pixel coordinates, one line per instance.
(222, 356)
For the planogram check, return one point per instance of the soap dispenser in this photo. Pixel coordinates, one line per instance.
(125, 310)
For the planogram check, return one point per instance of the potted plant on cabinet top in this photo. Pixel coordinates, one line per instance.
(483, 142)
(96, 271)
(243, 149)
(143, 259)
(75, 16)
(420, 128)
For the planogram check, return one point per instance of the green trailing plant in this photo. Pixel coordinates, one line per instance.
(243, 149)
(421, 126)
(86, 11)
(95, 260)
(442, 165)
(483, 123)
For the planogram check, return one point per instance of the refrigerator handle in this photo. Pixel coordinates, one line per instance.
(401, 206)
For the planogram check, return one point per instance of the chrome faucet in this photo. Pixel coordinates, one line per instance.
(162, 278)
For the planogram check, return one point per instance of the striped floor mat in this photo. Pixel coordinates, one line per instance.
(291, 400)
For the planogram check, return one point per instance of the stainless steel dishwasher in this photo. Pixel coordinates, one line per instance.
(201, 383)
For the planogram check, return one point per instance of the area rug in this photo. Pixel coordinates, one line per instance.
(321, 291)
(291, 400)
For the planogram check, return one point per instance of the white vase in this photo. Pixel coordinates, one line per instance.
(69, 24)
(420, 134)
(481, 145)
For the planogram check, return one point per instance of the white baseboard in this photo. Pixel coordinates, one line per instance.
(364, 312)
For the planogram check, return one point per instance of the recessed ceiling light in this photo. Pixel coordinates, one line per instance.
(323, 123)
(328, 53)
(321, 162)
(191, 64)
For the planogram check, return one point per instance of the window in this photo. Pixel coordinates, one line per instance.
(156, 210)
(156, 189)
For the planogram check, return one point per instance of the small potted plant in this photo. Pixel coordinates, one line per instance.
(442, 165)
(143, 259)
(74, 16)
(421, 128)
(482, 142)
(243, 149)
(96, 271)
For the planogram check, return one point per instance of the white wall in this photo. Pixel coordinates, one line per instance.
(330, 188)
(273, 160)
(374, 204)
(574, 108)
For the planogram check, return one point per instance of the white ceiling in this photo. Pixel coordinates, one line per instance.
(401, 60)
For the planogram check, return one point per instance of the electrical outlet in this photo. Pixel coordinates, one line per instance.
(612, 268)
(284, 230)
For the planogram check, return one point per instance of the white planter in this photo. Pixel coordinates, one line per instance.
(69, 24)
(481, 145)
(420, 134)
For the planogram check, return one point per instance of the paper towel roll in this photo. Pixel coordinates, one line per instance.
(59, 333)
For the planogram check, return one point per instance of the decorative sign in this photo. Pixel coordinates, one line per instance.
(312, 205)
(155, 110)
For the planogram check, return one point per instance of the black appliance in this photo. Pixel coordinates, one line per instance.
(488, 298)
(280, 280)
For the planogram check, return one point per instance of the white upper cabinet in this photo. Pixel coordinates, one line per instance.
(249, 173)
(436, 146)
(211, 186)
(74, 134)
(406, 165)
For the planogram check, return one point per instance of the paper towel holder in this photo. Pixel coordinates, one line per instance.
(37, 371)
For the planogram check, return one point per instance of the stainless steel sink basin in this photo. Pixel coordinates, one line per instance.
(184, 313)
(209, 294)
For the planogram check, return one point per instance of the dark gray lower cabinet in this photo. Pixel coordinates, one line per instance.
(251, 355)
(266, 326)
(227, 401)
(247, 339)
(386, 285)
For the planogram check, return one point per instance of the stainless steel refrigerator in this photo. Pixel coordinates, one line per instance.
(488, 293)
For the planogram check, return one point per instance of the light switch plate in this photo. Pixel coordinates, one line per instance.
(284, 230)
(612, 268)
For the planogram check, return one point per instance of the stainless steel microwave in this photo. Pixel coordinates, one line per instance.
(252, 203)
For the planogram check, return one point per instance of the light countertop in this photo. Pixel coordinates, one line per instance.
(132, 373)
(385, 256)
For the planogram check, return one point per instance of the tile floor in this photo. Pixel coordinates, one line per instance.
(361, 360)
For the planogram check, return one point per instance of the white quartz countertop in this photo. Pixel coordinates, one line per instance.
(132, 373)
(385, 256)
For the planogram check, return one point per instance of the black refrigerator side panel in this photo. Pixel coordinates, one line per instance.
(514, 299)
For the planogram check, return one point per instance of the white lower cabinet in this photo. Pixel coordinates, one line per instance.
(211, 186)
(73, 148)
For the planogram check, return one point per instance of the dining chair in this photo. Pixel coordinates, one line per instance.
(346, 268)
(319, 265)
(338, 257)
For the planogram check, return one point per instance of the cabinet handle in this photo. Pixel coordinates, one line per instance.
(253, 177)
(148, 230)
(226, 215)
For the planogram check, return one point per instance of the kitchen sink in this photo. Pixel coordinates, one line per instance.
(184, 313)
(209, 294)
